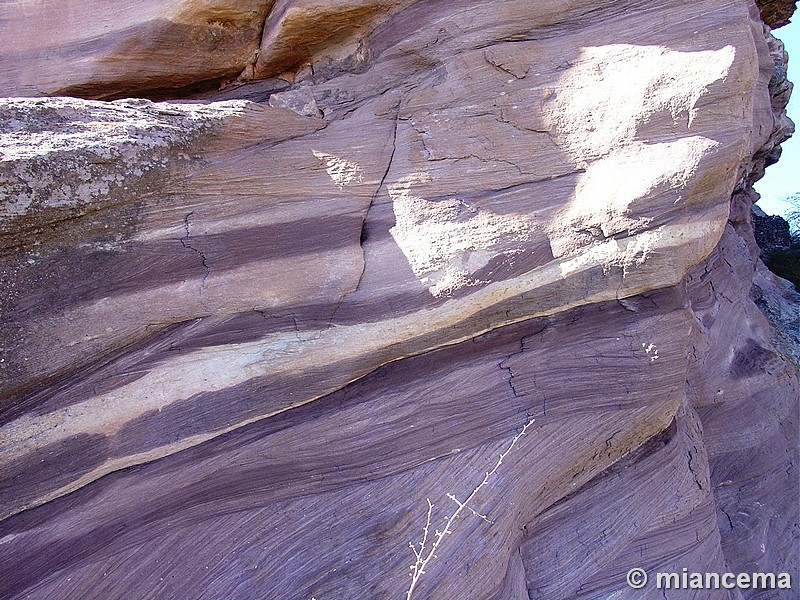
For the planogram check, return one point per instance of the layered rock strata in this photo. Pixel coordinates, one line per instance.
(251, 348)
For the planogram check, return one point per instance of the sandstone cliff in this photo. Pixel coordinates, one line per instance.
(380, 263)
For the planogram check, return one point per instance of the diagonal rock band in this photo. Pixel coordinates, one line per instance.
(372, 260)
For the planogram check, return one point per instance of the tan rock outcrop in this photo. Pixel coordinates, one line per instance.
(97, 49)
(302, 320)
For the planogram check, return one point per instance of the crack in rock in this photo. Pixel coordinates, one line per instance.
(185, 243)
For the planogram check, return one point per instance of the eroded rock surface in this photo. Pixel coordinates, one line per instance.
(776, 13)
(300, 319)
(98, 49)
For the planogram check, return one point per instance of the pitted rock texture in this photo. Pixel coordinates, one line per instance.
(776, 13)
(245, 344)
(101, 150)
(771, 231)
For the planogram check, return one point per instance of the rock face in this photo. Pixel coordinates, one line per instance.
(771, 231)
(484, 270)
(98, 49)
(776, 13)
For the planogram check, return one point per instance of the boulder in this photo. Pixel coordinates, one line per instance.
(472, 280)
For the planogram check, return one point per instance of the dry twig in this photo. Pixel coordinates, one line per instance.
(424, 553)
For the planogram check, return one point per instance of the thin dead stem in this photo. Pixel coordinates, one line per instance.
(425, 553)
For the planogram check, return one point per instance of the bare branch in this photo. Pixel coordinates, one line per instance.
(423, 557)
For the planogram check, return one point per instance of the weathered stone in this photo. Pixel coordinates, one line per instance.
(301, 320)
(96, 49)
(300, 100)
(776, 13)
(771, 231)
